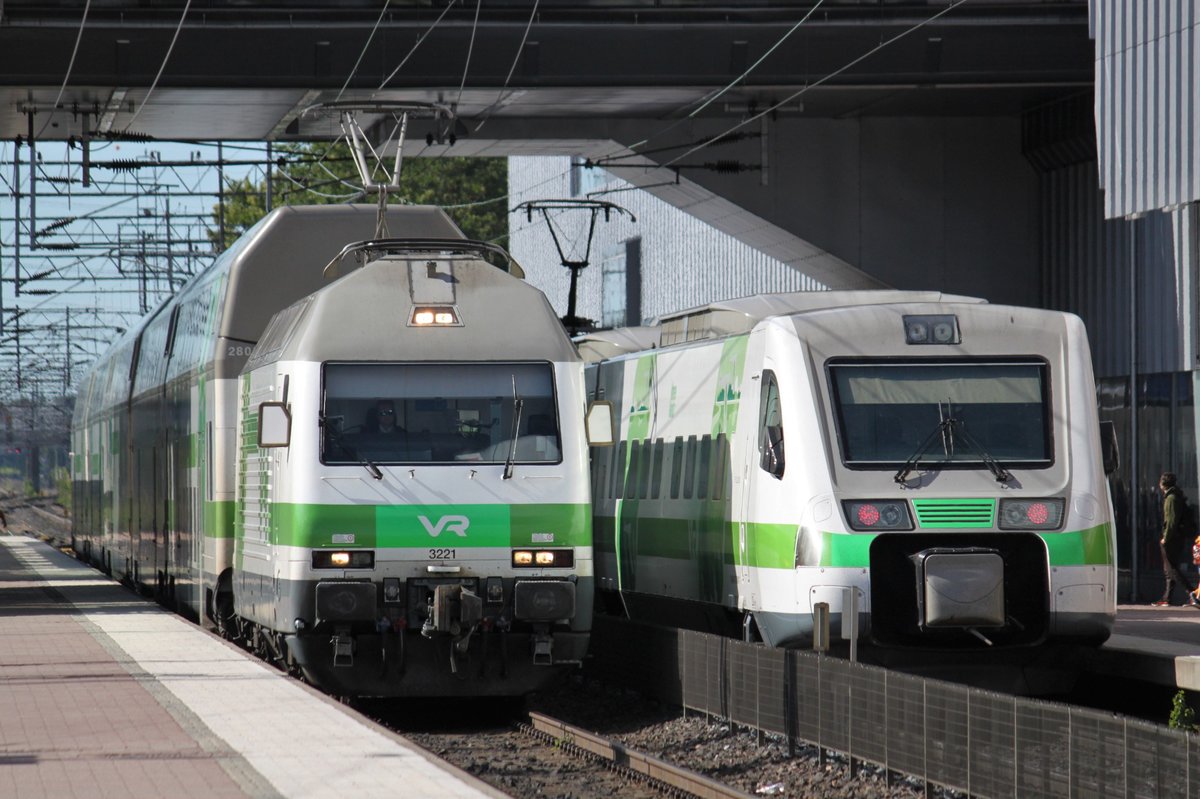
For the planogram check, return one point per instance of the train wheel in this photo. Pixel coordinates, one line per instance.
(221, 610)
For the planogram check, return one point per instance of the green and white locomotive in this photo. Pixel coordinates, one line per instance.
(378, 482)
(929, 463)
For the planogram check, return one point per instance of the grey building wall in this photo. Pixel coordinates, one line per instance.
(947, 203)
(1087, 269)
(1147, 103)
(684, 262)
(916, 202)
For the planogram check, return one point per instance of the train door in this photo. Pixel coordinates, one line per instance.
(639, 434)
(763, 466)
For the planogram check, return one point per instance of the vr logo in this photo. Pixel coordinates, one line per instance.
(455, 524)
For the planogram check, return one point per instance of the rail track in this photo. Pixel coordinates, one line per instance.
(657, 774)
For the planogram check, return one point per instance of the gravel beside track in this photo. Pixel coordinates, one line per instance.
(38, 516)
(761, 765)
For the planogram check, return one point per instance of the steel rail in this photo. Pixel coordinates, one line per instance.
(672, 778)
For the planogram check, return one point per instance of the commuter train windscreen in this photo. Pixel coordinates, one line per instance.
(439, 413)
(959, 412)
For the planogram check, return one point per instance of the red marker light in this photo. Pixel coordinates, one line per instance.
(868, 515)
(1038, 513)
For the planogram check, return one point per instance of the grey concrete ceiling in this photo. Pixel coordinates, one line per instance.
(239, 71)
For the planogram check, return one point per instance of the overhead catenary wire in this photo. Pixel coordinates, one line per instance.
(418, 43)
(70, 67)
(715, 96)
(470, 49)
(362, 54)
(186, 6)
(815, 84)
(487, 112)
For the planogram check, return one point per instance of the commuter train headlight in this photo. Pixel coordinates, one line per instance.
(545, 558)
(932, 329)
(343, 559)
(878, 514)
(1031, 514)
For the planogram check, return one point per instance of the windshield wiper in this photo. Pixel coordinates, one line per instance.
(335, 435)
(945, 431)
(1001, 474)
(518, 406)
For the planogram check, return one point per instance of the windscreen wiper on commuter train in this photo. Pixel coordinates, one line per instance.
(335, 435)
(518, 406)
(1001, 474)
(945, 429)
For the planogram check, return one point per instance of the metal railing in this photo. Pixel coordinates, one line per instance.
(967, 739)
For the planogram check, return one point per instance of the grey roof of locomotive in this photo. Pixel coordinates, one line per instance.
(280, 259)
(366, 316)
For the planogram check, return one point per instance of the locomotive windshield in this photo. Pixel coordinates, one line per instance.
(886, 412)
(439, 413)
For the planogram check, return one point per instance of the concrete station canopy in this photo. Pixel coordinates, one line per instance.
(638, 82)
(586, 71)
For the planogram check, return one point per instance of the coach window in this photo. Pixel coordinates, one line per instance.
(689, 467)
(676, 466)
(631, 474)
(770, 427)
(656, 476)
(704, 469)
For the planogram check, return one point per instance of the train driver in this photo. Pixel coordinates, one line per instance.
(385, 419)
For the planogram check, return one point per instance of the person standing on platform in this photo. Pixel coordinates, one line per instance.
(1175, 539)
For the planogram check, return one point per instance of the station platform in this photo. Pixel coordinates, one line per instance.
(1155, 645)
(103, 693)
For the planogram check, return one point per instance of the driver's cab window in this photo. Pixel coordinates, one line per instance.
(770, 426)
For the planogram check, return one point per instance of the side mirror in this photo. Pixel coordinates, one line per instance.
(274, 425)
(1110, 452)
(599, 424)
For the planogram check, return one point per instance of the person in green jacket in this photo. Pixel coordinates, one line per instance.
(1174, 541)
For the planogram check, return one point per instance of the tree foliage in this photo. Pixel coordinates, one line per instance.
(1182, 716)
(472, 190)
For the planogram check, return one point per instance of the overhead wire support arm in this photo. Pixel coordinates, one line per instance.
(573, 322)
(348, 112)
(444, 247)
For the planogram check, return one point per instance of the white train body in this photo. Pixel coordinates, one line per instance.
(433, 597)
(761, 470)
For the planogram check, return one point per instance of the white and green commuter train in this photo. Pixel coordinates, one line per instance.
(932, 461)
(379, 481)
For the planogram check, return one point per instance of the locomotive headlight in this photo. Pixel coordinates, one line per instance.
(877, 514)
(434, 316)
(343, 559)
(548, 558)
(1031, 514)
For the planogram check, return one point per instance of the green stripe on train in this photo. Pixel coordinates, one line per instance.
(218, 519)
(768, 546)
(309, 525)
(773, 546)
(1088, 547)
